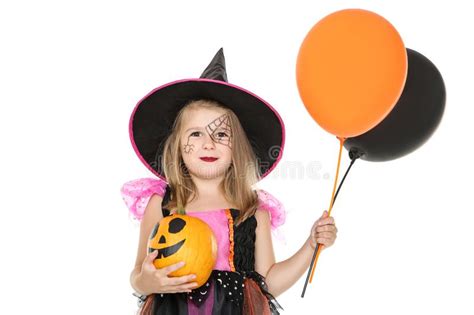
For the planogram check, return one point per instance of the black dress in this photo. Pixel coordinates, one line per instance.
(241, 291)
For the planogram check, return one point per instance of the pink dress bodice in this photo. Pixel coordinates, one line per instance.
(218, 222)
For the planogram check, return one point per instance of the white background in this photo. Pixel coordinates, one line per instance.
(71, 73)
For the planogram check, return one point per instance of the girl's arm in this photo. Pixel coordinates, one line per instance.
(152, 215)
(145, 278)
(282, 275)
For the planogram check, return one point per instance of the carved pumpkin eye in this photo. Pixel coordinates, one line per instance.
(176, 225)
(155, 229)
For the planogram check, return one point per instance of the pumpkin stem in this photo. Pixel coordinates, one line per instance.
(181, 211)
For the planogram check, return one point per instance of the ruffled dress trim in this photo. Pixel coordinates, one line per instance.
(230, 221)
(136, 194)
(241, 288)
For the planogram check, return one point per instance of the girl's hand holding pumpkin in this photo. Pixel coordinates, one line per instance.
(323, 232)
(153, 280)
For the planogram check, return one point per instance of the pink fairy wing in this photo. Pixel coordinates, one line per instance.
(136, 194)
(273, 206)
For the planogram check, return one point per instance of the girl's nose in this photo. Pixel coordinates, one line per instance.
(208, 142)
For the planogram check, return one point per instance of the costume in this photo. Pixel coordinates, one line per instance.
(234, 287)
(233, 279)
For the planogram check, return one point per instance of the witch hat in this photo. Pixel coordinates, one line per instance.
(153, 117)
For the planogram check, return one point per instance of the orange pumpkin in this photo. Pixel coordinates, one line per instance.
(179, 237)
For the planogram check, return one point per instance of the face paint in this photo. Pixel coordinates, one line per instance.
(188, 148)
(220, 130)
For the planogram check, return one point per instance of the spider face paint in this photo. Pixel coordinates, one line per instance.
(220, 130)
(188, 148)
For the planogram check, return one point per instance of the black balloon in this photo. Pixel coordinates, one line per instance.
(411, 122)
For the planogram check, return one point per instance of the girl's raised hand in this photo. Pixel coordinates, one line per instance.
(324, 231)
(154, 280)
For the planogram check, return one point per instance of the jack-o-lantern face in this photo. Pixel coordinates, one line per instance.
(175, 226)
(184, 238)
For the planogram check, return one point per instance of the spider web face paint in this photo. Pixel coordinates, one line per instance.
(220, 130)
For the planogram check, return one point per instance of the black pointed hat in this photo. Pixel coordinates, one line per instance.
(153, 117)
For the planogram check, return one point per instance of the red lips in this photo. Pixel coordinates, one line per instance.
(208, 159)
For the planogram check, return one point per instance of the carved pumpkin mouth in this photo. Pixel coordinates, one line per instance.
(168, 251)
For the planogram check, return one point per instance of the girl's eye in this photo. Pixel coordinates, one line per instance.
(222, 134)
(195, 132)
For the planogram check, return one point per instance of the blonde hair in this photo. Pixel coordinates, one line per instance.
(238, 179)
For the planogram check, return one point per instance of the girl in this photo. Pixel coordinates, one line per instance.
(216, 140)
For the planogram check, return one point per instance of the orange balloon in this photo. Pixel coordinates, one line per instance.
(350, 71)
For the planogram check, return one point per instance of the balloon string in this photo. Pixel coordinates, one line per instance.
(344, 178)
(353, 159)
(341, 142)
